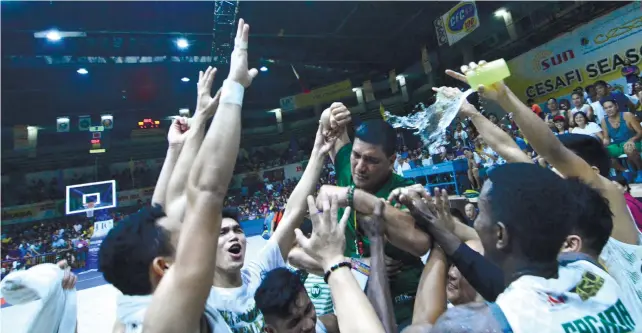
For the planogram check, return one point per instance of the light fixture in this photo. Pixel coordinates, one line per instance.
(185, 79)
(53, 35)
(502, 12)
(399, 77)
(263, 69)
(356, 89)
(182, 43)
(82, 71)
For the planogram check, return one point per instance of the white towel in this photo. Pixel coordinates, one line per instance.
(57, 311)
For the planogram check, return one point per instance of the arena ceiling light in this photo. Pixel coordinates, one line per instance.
(182, 43)
(54, 35)
(82, 71)
(185, 79)
(502, 12)
(263, 69)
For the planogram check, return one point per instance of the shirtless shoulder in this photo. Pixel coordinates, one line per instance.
(474, 317)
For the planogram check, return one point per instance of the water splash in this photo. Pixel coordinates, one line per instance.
(430, 124)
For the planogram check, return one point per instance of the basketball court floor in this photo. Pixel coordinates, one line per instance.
(96, 301)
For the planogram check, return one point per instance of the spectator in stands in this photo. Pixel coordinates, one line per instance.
(459, 134)
(560, 125)
(565, 107)
(579, 105)
(634, 205)
(622, 133)
(632, 74)
(471, 213)
(552, 108)
(535, 107)
(586, 127)
(605, 93)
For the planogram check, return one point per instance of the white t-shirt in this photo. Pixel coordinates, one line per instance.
(584, 109)
(624, 263)
(584, 298)
(236, 305)
(598, 111)
(590, 129)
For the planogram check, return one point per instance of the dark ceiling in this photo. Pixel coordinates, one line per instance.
(326, 41)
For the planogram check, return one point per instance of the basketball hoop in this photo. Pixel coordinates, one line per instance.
(89, 205)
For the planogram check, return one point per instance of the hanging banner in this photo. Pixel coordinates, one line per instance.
(457, 23)
(392, 79)
(101, 228)
(368, 92)
(327, 94)
(20, 138)
(594, 51)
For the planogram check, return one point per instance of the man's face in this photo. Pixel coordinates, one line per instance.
(601, 90)
(369, 165)
(552, 104)
(458, 290)
(231, 246)
(577, 100)
(470, 211)
(301, 317)
(486, 228)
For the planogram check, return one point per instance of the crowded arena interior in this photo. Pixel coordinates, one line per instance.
(245, 167)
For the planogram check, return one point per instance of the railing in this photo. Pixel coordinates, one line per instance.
(78, 260)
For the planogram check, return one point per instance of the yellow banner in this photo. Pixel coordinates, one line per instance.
(331, 93)
(595, 51)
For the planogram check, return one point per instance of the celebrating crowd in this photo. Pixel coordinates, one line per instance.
(551, 250)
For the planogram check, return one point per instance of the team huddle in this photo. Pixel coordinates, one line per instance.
(552, 249)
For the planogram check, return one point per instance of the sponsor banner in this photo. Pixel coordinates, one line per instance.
(293, 171)
(457, 23)
(53, 209)
(594, 51)
(331, 93)
(101, 229)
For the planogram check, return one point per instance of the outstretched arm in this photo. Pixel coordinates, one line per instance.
(205, 108)
(175, 308)
(547, 145)
(175, 138)
(334, 121)
(431, 294)
(296, 207)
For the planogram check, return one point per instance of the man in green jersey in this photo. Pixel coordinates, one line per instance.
(364, 176)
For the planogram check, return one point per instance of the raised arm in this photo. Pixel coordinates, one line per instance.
(547, 145)
(175, 138)
(334, 121)
(378, 287)
(494, 136)
(431, 294)
(326, 245)
(205, 108)
(175, 308)
(296, 207)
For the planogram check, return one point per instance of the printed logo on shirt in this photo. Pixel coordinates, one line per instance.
(614, 319)
(589, 286)
(250, 321)
(315, 291)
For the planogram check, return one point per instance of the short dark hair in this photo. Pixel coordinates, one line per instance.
(595, 221)
(130, 247)
(552, 98)
(578, 93)
(530, 101)
(580, 89)
(612, 100)
(231, 213)
(378, 132)
(278, 291)
(581, 113)
(600, 83)
(588, 88)
(589, 149)
(532, 202)
(623, 181)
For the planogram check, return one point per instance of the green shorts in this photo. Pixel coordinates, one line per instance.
(617, 149)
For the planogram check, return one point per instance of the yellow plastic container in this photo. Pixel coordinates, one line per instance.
(488, 74)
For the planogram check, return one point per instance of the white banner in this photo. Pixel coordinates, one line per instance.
(457, 23)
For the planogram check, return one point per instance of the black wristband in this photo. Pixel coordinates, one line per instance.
(351, 189)
(334, 268)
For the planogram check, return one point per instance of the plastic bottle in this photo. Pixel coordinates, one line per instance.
(488, 74)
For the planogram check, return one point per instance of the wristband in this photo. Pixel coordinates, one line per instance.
(232, 92)
(334, 268)
(351, 196)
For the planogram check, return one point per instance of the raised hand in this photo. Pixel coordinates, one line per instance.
(467, 109)
(323, 145)
(328, 241)
(178, 131)
(238, 61)
(372, 225)
(495, 91)
(205, 103)
(69, 279)
(339, 116)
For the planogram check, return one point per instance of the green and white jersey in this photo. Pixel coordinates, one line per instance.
(319, 293)
(583, 299)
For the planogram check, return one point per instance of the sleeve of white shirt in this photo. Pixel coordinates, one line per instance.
(268, 259)
(593, 128)
(478, 159)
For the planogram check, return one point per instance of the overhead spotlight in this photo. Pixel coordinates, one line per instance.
(399, 77)
(502, 12)
(82, 71)
(263, 69)
(53, 35)
(182, 43)
(356, 89)
(185, 79)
